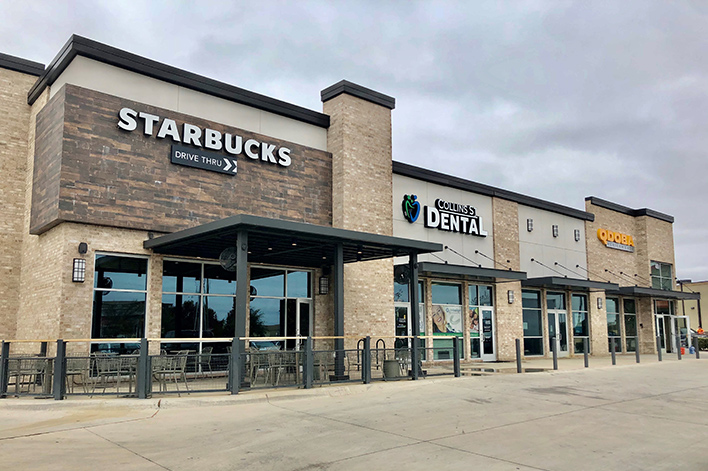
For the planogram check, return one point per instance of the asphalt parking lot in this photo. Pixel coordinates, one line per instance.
(652, 416)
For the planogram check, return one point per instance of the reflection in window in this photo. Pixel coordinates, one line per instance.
(187, 311)
(120, 291)
(614, 332)
(581, 328)
(533, 322)
(661, 277)
(630, 324)
(277, 297)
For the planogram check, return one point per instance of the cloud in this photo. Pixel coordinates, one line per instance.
(559, 100)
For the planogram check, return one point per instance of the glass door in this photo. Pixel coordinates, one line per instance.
(664, 334)
(304, 320)
(297, 323)
(489, 351)
(558, 325)
(403, 328)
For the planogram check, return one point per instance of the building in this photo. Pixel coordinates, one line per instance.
(141, 200)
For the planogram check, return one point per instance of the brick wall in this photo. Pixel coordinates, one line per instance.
(359, 139)
(13, 167)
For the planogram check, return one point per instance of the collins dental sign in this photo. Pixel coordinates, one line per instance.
(616, 240)
(444, 216)
(204, 141)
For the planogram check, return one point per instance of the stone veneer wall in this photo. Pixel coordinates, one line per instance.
(359, 139)
(13, 168)
(96, 173)
(653, 239)
(509, 317)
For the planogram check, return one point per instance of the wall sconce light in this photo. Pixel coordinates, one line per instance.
(529, 225)
(510, 296)
(83, 248)
(599, 303)
(555, 230)
(78, 272)
(324, 285)
(577, 235)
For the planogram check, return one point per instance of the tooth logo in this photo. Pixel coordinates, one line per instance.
(411, 208)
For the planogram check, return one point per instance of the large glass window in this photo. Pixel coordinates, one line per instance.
(447, 317)
(198, 301)
(661, 277)
(581, 328)
(120, 291)
(614, 334)
(280, 306)
(630, 324)
(533, 322)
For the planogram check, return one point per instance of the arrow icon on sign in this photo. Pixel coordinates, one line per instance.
(230, 164)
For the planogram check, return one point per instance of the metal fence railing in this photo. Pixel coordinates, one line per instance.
(150, 367)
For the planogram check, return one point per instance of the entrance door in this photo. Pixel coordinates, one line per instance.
(403, 327)
(663, 329)
(297, 322)
(558, 325)
(489, 350)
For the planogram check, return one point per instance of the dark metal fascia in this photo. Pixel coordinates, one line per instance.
(21, 65)
(431, 176)
(358, 91)
(594, 200)
(84, 47)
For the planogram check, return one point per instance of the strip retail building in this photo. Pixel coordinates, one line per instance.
(141, 200)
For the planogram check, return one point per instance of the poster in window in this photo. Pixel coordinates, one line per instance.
(474, 322)
(447, 319)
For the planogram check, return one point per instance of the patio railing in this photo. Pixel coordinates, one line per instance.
(170, 366)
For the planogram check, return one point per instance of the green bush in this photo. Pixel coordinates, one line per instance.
(703, 343)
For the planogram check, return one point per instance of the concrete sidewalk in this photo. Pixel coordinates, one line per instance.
(628, 417)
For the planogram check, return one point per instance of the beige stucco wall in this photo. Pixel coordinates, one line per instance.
(105, 78)
(13, 168)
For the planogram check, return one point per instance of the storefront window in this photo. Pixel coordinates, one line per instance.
(120, 291)
(661, 277)
(630, 324)
(280, 306)
(198, 301)
(447, 318)
(614, 334)
(533, 322)
(581, 329)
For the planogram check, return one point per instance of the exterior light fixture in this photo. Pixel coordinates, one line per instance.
(577, 235)
(324, 285)
(529, 225)
(83, 248)
(78, 273)
(510, 296)
(599, 303)
(555, 230)
(293, 242)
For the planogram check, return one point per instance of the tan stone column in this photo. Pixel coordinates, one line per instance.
(598, 324)
(646, 327)
(359, 138)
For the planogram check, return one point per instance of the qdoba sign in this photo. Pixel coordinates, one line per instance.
(616, 240)
(203, 141)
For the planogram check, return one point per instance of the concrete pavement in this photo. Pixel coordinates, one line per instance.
(652, 416)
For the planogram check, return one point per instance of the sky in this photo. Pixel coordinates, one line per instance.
(559, 100)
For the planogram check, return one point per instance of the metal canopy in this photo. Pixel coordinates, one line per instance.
(274, 241)
(469, 273)
(638, 291)
(559, 282)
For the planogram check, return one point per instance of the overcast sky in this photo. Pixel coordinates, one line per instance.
(558, 100)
